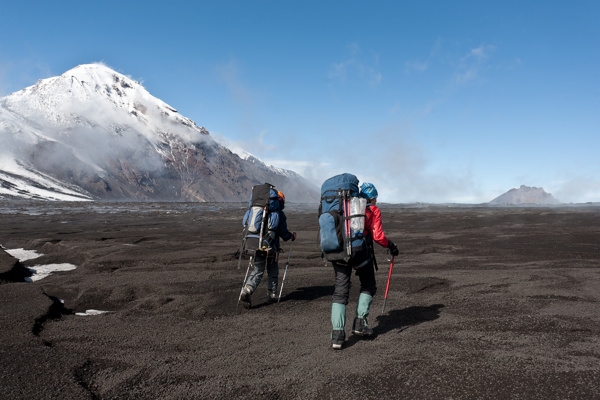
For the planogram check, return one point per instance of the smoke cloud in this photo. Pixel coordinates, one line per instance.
(576, 189)
(390, 159)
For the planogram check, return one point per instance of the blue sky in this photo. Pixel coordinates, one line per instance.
(433, 101)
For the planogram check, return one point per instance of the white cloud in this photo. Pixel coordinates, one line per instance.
(471, 64)
(356, 67)
(463, 70)
(481, 52)
(230, 74)
(338, 71)
(295, 164)
(256, 146)
(419, 66)
(249, 121)
(422, 66)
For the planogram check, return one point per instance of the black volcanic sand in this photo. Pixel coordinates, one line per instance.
(484, 303)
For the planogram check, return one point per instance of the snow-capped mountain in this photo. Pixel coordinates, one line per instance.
(95, 134)
(525, 195)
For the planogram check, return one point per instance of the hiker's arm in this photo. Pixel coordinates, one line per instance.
(376, 229)
(283, 229)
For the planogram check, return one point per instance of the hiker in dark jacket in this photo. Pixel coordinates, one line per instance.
(269, 261)
(366, 275)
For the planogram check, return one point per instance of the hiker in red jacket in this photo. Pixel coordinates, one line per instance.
(366, 275)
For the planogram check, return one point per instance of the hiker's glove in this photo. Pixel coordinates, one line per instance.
(393, 248)
(293, 236)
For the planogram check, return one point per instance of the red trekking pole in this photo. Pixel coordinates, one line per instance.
(388, 284)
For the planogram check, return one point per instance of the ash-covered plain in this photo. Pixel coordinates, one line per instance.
(484, 302)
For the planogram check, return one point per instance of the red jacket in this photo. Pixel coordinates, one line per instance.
(373, 225)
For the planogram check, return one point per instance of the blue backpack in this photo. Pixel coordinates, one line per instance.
(261, 220)
(338, 241)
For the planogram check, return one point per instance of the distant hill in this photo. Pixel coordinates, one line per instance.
(525, 195)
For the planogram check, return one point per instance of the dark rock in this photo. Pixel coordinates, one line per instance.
(11, 270)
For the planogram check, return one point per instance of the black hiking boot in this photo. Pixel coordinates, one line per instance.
(337, 339)
(271, 297)
(245, 298)
(361, 328)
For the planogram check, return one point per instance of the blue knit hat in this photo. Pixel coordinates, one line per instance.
(368, 190)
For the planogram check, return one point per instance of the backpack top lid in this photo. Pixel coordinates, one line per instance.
(265, 195)
(340, 182)
(330, 191)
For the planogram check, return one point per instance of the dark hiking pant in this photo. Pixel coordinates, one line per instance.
(366, 276)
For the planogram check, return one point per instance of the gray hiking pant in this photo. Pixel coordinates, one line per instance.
(260, 262)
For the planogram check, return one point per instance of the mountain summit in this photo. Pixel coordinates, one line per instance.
(525, 195)
(95, 134)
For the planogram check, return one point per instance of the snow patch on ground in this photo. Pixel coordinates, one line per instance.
(90, 312)
(43, 271)
(22, 254)
(38, 271)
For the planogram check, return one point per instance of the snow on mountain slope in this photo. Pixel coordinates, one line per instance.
(92, 133)
(96, 92)
(244, 155)
(18, 182)
(96, 101)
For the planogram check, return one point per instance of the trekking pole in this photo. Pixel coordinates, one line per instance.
(388, 284)
(262, 227)
(349, 229)
(246, 277)
(346, 224)
(285, 272)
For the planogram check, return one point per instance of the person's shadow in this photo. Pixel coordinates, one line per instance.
(309, 293)
(401, 320)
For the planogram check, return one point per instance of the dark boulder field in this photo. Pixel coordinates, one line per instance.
(484, 303)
